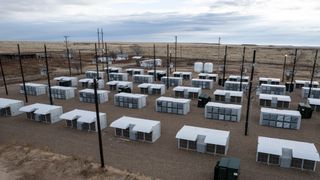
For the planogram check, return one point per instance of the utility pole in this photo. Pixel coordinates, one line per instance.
(80, 61)
(102, 39)
(293, 71)
(68, 54)
(219, 51)
(312, 75)
(167, 66)
(98, 31)
(48, 75)
(97, 66)
(154, 63)
(241, 73)
(4, 78)
(224, 65)
(22, 75)
(284, 67)
(249, 95)
(175, 53)
(98, 122)
(107, 60)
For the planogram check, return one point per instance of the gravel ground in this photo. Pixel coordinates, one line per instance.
(162, 159)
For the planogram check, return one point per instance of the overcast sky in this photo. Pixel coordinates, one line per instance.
(295, 22)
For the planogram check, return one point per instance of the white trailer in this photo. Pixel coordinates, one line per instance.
(173, 81)
(184, 75)
(133, 71)
(272, 89)
(186, 92)
(287, 153)
(43, 112)
(159, 73)
(265, 80)
(142, 78)
(237, 78)
(87, 95)
(213, 77)
(84, 120)
(128, 100)
(10, 107)
(227, 96)
(148, 88)
(235, 86)
(62, 92)
(66, 81)
(203, 140)
(274, 101)
(173, 105)
(315, 92)
(287, 119)
(88, 83)
(137, 129)
(115, 85)
(34, 89)
(303, 83)
(118, 76)
(223, 112)
(202, 83)
(93, 74)
(315, 104)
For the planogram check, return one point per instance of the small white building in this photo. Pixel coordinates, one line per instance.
(66, 81)
(128, 100)
(213, 77)
(159, 73)
(173, 105)
(272, 89)
(264, 80)
(133, 71)
(113, 70)
(87, 95)
(223, 112)
(93, 74)
(84, 120)
(315, 92)
(118, 76)
(142, 78)
(115, 85)
(227, 96)
(274, 101)
(137, 129)
(315, 104)
(149, 63)
(88, 83)
(287, 153)
(173, 81)
(202, 83)
(235, 86)
(203, 140)
(43, 112)
(34, 89)
(237, 78)
(10, 107)
(187, 92)
(184, 75)
(62, 92)
(149, 88)
(303, 83)
(287, 119)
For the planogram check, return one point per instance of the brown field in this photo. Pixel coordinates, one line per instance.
(163, 159)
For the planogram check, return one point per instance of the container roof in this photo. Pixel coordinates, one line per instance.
(237, 76)
(279, 97)
(143, 75)
(181, 72)
(269, 79)
(35, 85)
(64, 78)
(222, 105)
(131, 95)
(306, 81)
(273, 85)
(204, 80)
(92, 91)
(140, 125)
(124, 83)
(38, 108)
(232, 93)
(4, 102)
(179, 100)
(154, 86)
(229, 162)
(314, 101)
(63, 87)
(190, 89)
(301, 150)
(81, 115)
(207, 74)
(235, 82)
(281, 111)
(212, 136)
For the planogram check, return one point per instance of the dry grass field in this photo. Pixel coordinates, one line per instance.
(163, 159)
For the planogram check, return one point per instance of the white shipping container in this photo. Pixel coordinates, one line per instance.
(186, 92)
(62, 92)
(66, 81)
(43, 112)
(118, 76)
(202, 83)
(10, 107)
(88, 83)
(142, 78)
(173, 105)
(148, 88)
(287, 119)
(224, 112)
(128, 100)
(34, 89)
(115, 85)
(87, 95)
(173, 81)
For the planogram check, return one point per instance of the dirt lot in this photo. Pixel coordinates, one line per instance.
(25, 162)
(163, 159)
